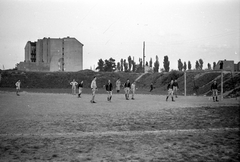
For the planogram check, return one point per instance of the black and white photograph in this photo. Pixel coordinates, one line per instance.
(119, 80)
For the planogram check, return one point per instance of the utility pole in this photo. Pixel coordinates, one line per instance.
(185, 83)
(143, 57)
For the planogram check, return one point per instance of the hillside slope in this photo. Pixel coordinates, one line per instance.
(198, 82)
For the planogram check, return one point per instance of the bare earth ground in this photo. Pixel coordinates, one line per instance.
(62, 127)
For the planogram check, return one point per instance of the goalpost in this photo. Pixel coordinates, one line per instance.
(222, 72)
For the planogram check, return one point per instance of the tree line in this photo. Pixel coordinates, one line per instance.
(130, 65)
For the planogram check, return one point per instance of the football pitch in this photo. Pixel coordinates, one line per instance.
(62, 127)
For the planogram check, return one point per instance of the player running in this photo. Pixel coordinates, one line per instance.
(74, 85)
(170, 90)
(109, 88)
(80, 87)
(127, 87)
(94, 88)
(214, 91)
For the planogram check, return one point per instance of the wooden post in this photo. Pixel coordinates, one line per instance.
(185, 83)
(143, 57)
(222, 85)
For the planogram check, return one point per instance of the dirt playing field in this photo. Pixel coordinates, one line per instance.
(62, 127)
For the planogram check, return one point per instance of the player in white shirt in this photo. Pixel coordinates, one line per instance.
(74, 86)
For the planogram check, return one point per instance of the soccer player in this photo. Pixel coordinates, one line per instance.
(94, 88)
(127, 87)
(74, 85)
(109, 88)
(133, 89)
(170, 90)
(118, 85)
(175, 87)
(214, 91)
(17, 84)
(80, 87)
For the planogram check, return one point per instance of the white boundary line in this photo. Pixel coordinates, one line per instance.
(122, 133)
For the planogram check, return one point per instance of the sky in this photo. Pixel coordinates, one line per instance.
(181, 29)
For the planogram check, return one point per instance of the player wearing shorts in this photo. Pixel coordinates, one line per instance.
(80, 87)
(175, 87)
(214, 91)
(118, 85)
(133, 89)
(94, 88)
(74, 86)
(17, 84)
(127, 87)
(109, 88)
(170, 90)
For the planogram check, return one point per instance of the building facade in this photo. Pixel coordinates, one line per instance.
(53, 54)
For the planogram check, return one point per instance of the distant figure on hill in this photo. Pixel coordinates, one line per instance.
(17, 84)
(170, 90)
(175, 87)
(214, 91)
(133, 89)
(94, 89)
(109, 89)
(74, 85)
(80, 87)
(151, 87)
(118, 85)
(127, 87)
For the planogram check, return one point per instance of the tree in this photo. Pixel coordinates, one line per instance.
(166, 64)
(180, 65)
(189, 65)
(209, 66)
(121, 64)
(150, 62)
(156, 65)
(214, 65)
(133, 66)
(100, 65)
(185, 66)
(118, 66)
(129, 63)
(200, 64)
(125, 64)
(110, 65)
(197, 65)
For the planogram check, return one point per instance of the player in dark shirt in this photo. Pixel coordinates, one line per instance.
(214, 90)
(127, 87)
(109, 89)
(80, 87)
(170, 90)
(175, 87)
